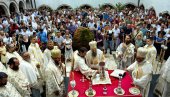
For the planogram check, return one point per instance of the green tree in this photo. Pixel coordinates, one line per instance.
(82, 37)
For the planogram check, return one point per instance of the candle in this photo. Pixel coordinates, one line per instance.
(72, 75)
(137, 74)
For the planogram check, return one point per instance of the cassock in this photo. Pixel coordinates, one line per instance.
(9, 91)
(54, 78)
(141, 74)
(151, 55)
(19, 81)
(93, 62)
(126, 53)
(80, 65)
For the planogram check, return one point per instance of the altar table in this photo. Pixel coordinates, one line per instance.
(81, 87)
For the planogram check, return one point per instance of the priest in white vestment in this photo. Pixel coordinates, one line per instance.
(163, 85)
(94, 56)
(36, 54)
(80, 63)
(54, 76)
(141, 72)
(166, 77)
(17, 77)
(6, 88)
(2, 68)
(2, 53)
(31, 74)
(152, 52)
(47, 51)
(12, 53)
(125, 53)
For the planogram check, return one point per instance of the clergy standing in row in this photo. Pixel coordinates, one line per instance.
(36, 54)
(6, 88)
(54, 75)
(17, 77)
(141, 71)
(125, 53)
(152, 52)
(94, 56)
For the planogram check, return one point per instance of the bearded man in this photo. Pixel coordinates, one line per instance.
(17, 77)
(125, 53)
(54, 76)
(94, 56)
(141, 71)
(6, 88)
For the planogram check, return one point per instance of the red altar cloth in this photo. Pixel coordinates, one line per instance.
(81, 87)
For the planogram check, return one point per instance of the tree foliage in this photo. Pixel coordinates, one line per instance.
(82, 37)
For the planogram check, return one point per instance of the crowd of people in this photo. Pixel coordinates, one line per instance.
(36, 44)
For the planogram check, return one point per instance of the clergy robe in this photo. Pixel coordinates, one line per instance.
(142, 75)
(47, 55)
(9, 91)
(14, 54)
(93, 62)
(127, 54)
(166, 77)
(30, 73)
(36, 54)
(151, 55)
(33, 63)
(3, 55)
(2, 68)
(54, 78)
(80, 65)
(19, 81)
(163, 86)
